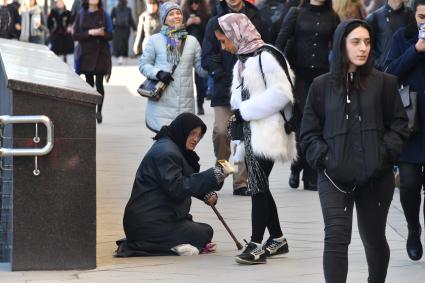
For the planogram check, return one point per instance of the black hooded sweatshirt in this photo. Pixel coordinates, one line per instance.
(356, 134)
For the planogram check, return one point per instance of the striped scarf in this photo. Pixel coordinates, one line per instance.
(174, 36)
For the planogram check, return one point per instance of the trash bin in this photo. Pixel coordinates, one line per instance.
(48, 201)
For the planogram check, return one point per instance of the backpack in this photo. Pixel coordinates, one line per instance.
(292, 123)
(122, 17)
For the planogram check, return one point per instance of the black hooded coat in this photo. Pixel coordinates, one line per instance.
(356, 135)
(157, 217)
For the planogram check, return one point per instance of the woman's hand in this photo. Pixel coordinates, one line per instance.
(420, 45)
(211, 198)
(193, 20)
(97, 31)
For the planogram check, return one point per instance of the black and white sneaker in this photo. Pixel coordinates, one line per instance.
(253, 254)
(276, 246)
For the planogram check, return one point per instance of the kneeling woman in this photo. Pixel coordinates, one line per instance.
(260, 89)
(156, 218)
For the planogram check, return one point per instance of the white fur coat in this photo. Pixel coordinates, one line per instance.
(262, 110)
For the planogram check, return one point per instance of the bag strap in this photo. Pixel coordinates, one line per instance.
(285, 69)
(181, 52)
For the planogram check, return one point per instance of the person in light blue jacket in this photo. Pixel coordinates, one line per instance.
(162, 51)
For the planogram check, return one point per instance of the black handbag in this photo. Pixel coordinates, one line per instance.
(152, 88)
(410, 103)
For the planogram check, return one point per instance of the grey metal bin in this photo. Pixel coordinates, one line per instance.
(48, 202)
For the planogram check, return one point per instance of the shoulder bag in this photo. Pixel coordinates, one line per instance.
(153, 88)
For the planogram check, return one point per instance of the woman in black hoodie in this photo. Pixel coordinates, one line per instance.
(353, 130)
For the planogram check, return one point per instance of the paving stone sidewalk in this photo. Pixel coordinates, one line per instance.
(123, 139)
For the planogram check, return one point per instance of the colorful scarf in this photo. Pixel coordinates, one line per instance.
(174, 36)
(240, 30)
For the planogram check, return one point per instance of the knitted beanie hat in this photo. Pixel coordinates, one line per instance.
(165, 8)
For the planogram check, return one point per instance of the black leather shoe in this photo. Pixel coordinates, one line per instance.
(413, 244)
(201, 110)
(243, 191)
(294, 180)
(310, 186)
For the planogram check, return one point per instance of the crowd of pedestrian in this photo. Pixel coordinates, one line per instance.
(351, 72)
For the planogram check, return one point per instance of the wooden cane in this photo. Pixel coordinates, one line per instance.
(238, 245)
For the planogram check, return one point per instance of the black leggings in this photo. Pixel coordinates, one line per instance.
(372, 205)
(99, 87)
(412, 182)
(264, 211)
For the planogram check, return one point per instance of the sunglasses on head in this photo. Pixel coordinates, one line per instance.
(194, 2)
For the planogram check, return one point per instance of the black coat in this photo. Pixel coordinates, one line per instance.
(121, 29)
(306, 37)
(355, 133)
(220, 63)
(161, 198)
(384, 23)
(95, 52)
(14, 18)
(60, 39)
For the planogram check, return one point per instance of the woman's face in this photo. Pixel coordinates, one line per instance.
(357, 46)
(317, 2)
(226, 44)
(60, 4)
(420, 14)
(174, 18)
(193, 139)
(94, 2)
(194, 5)
(152, 7)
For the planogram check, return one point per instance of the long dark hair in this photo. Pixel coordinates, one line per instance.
(327, 4)
(362, 71)
(85, 4)
(203, 11)
(416, 3)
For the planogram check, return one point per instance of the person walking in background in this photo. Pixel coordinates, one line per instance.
(122, 21)
(148, 25)
(406, 59)
(60, 27)
(353, 131)
(156, 218)
(260, 90)
(9, 21)
(93, 30)
(219, 64)
(33, 22)
(196, 14)
(306, 37)
(385, 22)
(171, 47)
(349, 9)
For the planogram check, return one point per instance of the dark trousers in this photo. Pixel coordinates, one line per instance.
(264, 211)
(302, 86)
(372, 204)
(412, 182)
(201, 89)
(99, 87)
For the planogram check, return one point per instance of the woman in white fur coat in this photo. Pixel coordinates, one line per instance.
(256, 102)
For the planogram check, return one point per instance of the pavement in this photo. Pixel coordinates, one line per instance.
(122, 141)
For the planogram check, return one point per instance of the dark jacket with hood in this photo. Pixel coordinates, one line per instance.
(356, 135)
(409, 66)
(219, 63)
(384, 23)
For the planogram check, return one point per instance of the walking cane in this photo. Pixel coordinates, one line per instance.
(238, 245)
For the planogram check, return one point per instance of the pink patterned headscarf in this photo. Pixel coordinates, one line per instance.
(239, 29)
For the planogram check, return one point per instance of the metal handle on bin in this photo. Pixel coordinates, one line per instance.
(6, 119)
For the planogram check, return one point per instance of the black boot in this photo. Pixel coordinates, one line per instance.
(294, 180)
(413, 244)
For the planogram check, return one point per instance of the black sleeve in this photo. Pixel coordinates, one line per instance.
(211, 51)
(178, 186)
(395, 119)
(311, 135)
(287, 29)
(132, 23)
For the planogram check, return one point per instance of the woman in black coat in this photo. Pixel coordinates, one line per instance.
(353, 131)
(156, 218)
(59, 24)
(93, 30)
(306, 38)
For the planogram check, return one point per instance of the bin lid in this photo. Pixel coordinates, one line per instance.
(34, 68)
